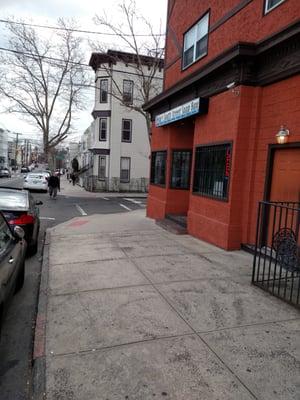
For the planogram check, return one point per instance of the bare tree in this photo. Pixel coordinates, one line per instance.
(43, 79)
(147, 60)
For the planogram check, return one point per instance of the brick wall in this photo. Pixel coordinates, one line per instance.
(248, 25)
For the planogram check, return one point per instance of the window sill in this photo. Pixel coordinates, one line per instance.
(194, 62)
(223, 200)
(159, 185)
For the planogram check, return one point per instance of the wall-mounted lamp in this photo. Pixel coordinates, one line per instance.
(282, 135)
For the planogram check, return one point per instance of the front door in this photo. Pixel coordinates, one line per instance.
(285, 187)
(285, 184)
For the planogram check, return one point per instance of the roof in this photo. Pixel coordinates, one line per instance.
(13, 199)
(113, 56)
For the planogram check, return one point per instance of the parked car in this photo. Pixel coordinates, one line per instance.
(24, 170)
(36, 181)
(5, 172)
(12, 263)
(20, 208)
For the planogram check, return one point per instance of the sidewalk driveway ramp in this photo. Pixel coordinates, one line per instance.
(129, 311)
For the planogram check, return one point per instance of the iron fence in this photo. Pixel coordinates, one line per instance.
(276, 265)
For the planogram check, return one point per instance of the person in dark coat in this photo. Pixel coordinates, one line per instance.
(53, 185)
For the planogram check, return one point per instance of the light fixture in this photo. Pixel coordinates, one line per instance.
(282, 135)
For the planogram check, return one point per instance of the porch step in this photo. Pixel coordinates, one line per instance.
(171, 226)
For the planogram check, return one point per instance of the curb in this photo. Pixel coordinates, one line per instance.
(39, 356)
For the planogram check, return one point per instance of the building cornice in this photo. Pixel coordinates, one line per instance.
(256, 64)
(114, 56)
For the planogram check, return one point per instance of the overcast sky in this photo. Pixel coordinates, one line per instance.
(48, 11)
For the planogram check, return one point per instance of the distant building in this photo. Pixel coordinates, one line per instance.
(3, 148)
(118, 138)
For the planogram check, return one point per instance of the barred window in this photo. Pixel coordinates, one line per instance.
(127, 91)
(158, 167)
(181, 167)
(103, 90)
(102, 168)
(212, 171)
(102, 129)
(126, 130)
(125, 170)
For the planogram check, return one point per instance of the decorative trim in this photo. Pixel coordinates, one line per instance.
(235, 10)
(101, 114)
(114, 56)
(104, 152)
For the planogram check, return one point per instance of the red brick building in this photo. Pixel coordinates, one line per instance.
(231, 82)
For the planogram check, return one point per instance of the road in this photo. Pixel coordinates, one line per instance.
(17, 336)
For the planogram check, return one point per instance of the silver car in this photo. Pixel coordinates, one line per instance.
(36, 181)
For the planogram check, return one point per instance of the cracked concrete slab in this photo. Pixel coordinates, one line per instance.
(176, 369)
(218, 303)
(265, 357)
(110, 317)
(74, 252)
(67, 278)
(180, 267)
(151, 248)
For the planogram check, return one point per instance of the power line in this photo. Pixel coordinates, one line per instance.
(76, 30)
(69, 62)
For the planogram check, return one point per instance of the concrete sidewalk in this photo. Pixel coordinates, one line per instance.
(67, 189)
(130, 311)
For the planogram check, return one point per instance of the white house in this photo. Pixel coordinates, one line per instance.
(119, 136)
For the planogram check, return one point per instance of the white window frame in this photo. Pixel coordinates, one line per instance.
(100, 129)
(196, 33)
(100, 176)
(102, 91)
(270, 8)
(125, 169)
(125, 130)
(127, 93)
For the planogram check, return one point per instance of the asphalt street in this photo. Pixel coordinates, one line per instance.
(17, 336)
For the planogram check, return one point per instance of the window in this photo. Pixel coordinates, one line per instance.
(195, 42)
(102, 168)
(270, 4)
(181, 166)
(126, 130)
(127, 91)
(102, 129)
(103, 90)
(125, 170)
(158, 167)
(212, 170)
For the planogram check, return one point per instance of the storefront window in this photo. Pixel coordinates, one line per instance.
(181, 163)
(212, 171)
(158, 167)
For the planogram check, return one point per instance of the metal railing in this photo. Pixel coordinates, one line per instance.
(276, 265)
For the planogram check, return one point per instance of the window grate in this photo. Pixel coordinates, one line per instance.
(212, 171)
(158, 167)
(181, 167)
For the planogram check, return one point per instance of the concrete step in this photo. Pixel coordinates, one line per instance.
(171, 226)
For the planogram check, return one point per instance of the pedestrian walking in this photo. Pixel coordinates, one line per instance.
(54, 185)
(73, 178)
